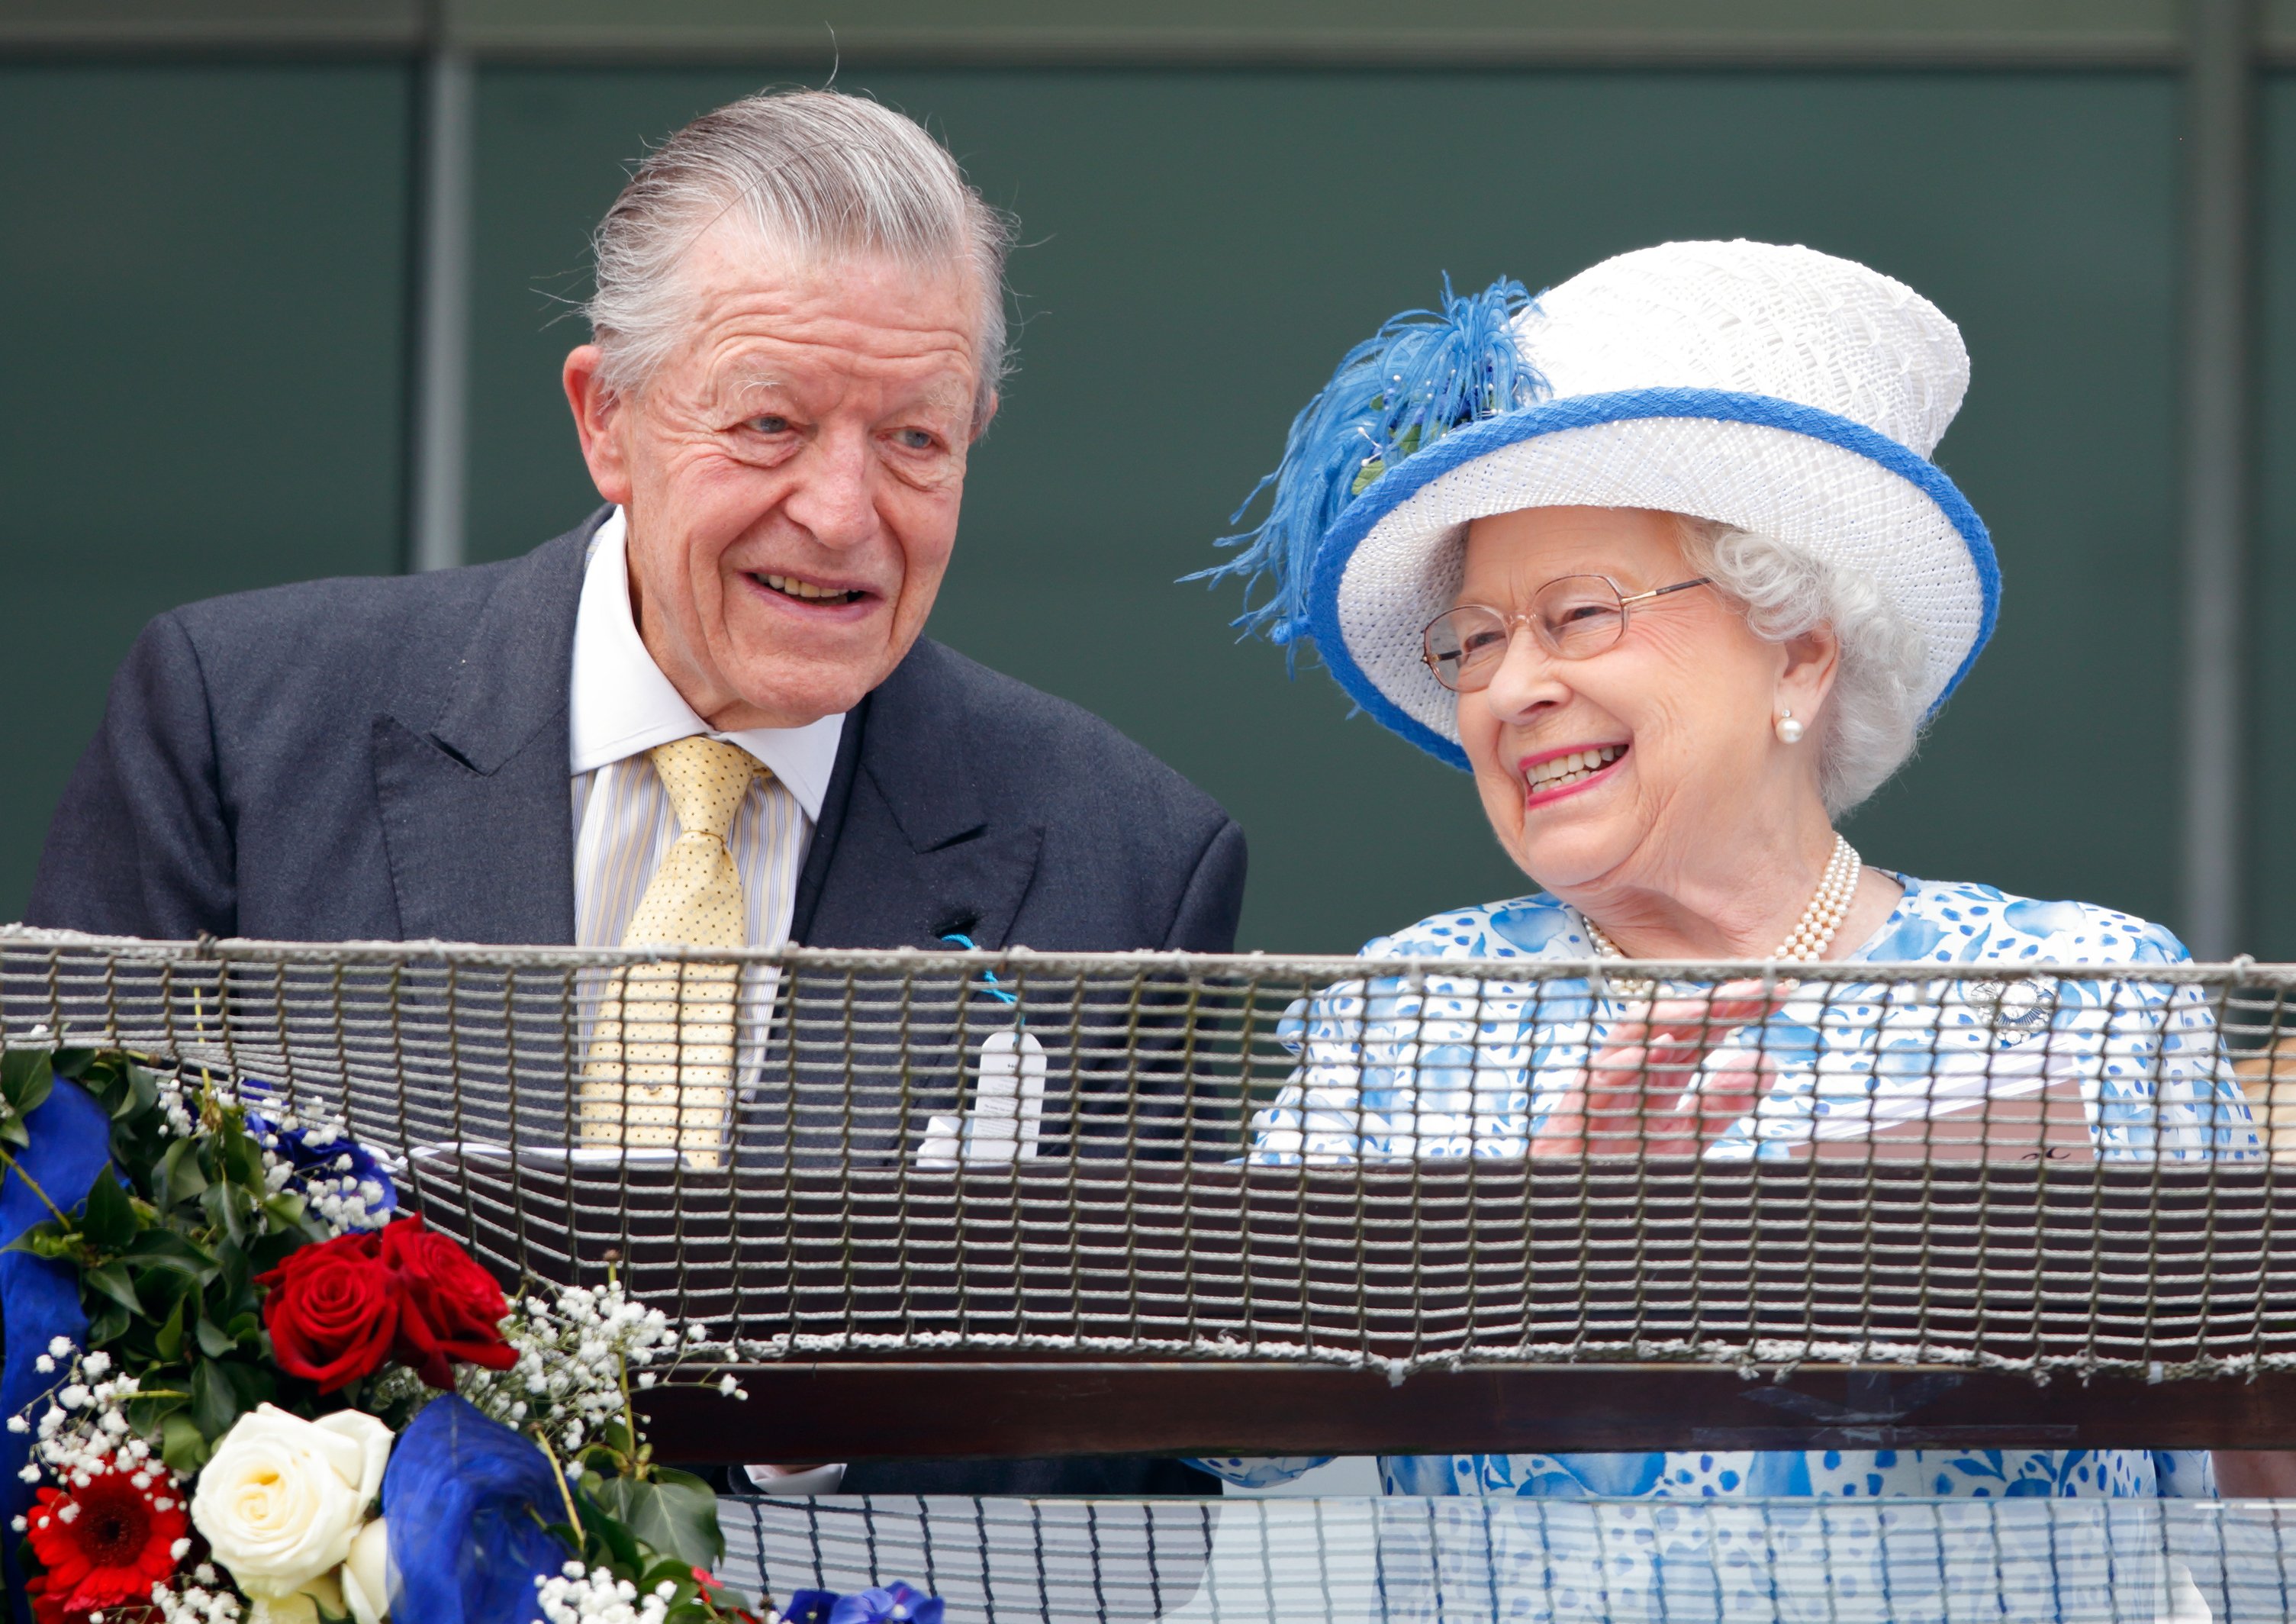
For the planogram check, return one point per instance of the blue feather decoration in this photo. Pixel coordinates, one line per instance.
(1422, 375)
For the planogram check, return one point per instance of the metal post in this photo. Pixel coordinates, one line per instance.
(443, 313)
(2219, 141)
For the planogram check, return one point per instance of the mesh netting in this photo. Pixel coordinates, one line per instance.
(1325, 1562)
(2051, 1168)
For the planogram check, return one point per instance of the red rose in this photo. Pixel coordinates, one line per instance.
(448, 1307)
(332, 1310)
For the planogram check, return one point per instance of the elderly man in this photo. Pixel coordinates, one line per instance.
(796, 336)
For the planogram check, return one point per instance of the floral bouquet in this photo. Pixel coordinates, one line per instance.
(242, 1385)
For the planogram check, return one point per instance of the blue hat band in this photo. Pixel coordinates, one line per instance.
(1467, 445)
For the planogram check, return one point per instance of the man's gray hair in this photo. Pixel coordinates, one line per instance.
(815, 174)
(1873, 716)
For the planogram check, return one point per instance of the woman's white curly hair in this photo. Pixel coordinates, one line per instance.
(1873, 718)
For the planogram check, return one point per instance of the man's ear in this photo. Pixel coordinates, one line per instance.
(1812, 662)
(597, 414)
(988, 416)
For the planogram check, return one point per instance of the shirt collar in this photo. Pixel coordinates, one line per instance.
(621, 705)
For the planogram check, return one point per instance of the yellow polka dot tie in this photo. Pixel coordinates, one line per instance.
(661, 1065)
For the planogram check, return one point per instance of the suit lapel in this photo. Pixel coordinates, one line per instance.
(906, 851)
(477, 812)
(478, 819)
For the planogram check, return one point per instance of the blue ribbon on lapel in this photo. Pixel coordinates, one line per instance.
(39, 1299)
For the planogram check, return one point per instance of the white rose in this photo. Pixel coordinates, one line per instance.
(366, 1575)
(283, 1497)
(302, 1607)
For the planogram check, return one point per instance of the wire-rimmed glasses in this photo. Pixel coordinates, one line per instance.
(1572, 616)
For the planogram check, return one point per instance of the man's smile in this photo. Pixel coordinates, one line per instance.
(805, 591)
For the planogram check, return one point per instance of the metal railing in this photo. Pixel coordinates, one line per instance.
(1391, 1166)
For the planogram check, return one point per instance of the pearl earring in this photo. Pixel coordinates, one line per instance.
(1790, 730)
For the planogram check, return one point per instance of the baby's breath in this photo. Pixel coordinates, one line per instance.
(572, 1351)
(84, 1429)
(198, 1597)
(593, 1595)
(182, 1120)
(334, 1191)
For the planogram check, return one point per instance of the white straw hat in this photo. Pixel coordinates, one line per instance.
(1777, 390)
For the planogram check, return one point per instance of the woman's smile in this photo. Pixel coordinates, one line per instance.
(1551, 775)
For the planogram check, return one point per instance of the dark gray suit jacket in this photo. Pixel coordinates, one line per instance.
(386, 760)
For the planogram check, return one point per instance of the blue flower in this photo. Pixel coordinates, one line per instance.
(895, 1603)
(467, 1501)
(326, 1161)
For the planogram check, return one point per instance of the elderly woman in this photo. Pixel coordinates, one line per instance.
(1659, 558)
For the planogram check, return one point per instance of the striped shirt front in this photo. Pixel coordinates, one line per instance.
(624, 824)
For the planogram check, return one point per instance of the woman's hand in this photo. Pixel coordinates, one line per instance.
(1630, 1098)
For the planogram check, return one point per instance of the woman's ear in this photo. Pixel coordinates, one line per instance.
(1812, 661)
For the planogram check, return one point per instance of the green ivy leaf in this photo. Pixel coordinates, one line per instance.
(163, 1255)
(107, 1323)
(267, 1250)
(112, 1280)
(673, 1570)
(225, 1211)
(139, 1095)
(676, 1513)
(605, 1536)
(168, 1340)
(162, 1291)
(179, 1177)
(214, 1341)
(147, 1410)
(108, 1219)
(224, 1391)
(182, 1445)
(242, 1161)
(234, 1273)
(102, 1078)
(26, 1077)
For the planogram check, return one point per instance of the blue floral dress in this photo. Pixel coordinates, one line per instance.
(1459, 1066)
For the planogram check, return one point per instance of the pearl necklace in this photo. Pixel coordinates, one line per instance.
(1805, 944)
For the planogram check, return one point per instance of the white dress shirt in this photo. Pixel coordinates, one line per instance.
(622, 707)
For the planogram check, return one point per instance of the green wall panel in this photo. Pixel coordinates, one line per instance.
(1455, 32)
(2272, 722)
(206, 271)
(1202, 245)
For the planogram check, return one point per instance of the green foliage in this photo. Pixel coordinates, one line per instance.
(27, 1078)
(167, 1243)
(620, 1532)
(674, 1512)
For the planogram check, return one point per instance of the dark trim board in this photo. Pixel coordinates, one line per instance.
(910, 1407)
(174, 32)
